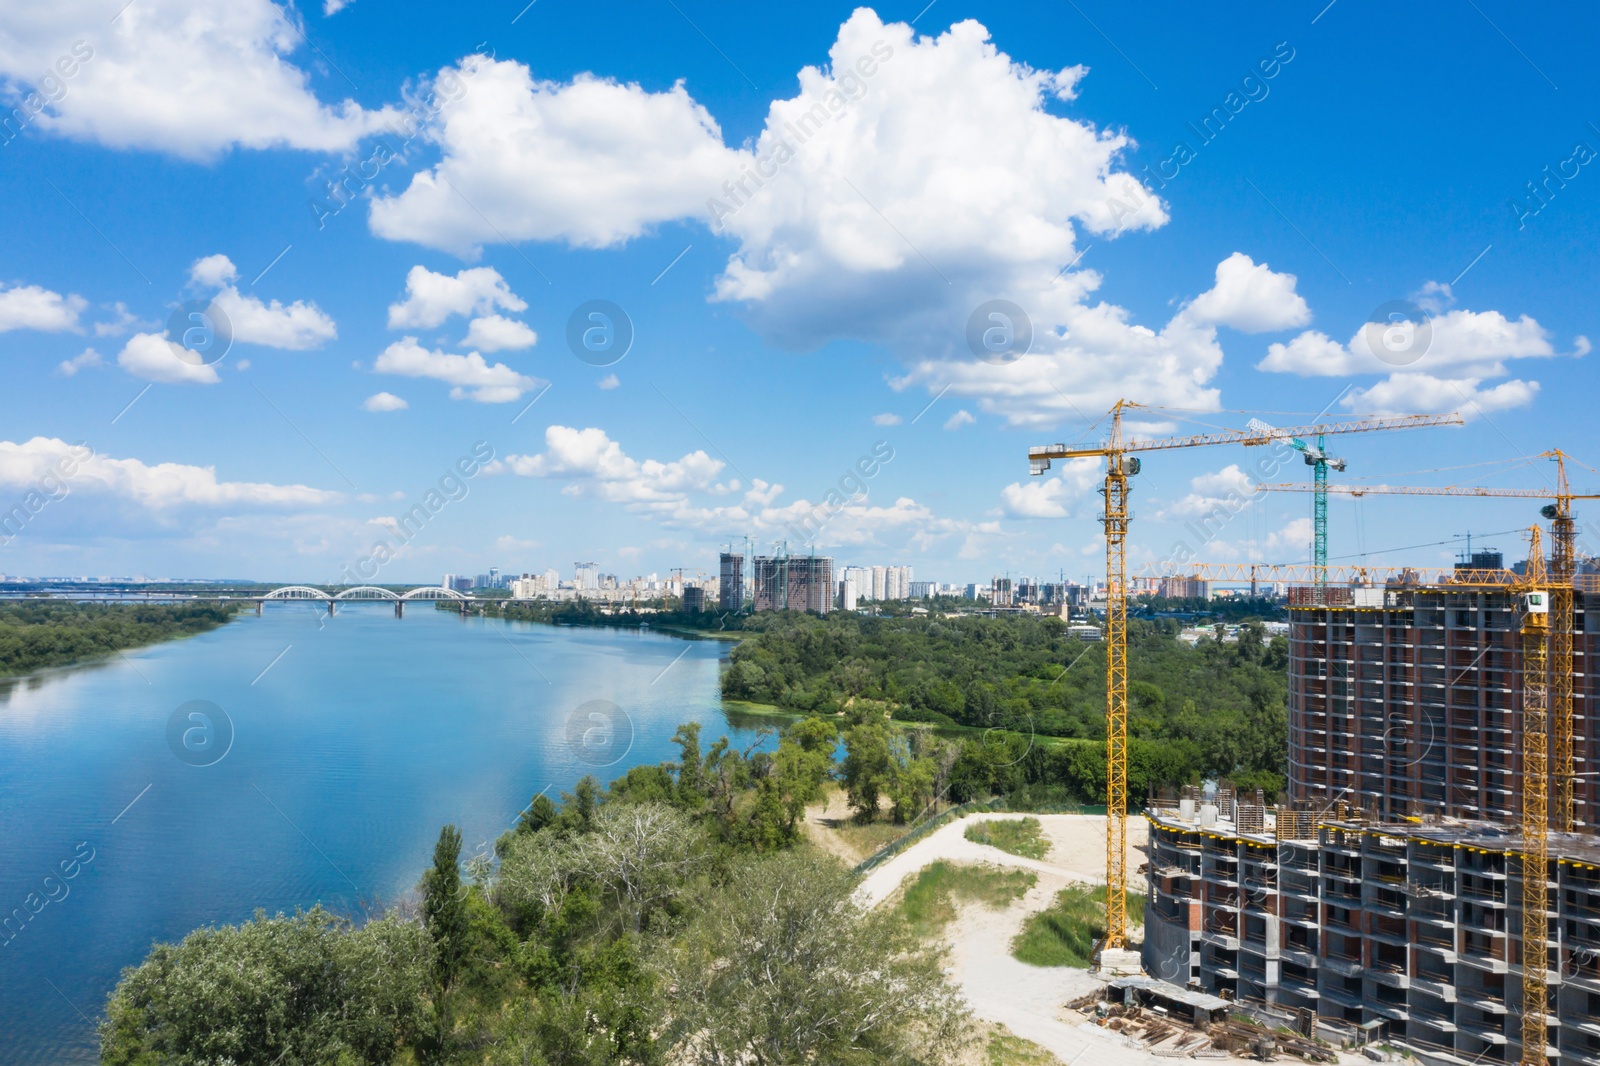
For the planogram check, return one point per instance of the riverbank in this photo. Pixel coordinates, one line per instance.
(38, 635)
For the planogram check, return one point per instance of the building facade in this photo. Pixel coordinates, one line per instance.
(1386, 896)
(793, 583)
(1408, 702)
(1405, 932)
(730, 587)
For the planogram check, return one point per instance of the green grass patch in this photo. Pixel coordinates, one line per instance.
(1003, 1049)
(930, 901)
(1018, 836)
(868, 838)
(1064, 934)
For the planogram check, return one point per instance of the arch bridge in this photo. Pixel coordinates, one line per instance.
(364, 594)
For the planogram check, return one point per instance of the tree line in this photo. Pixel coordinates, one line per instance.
(1216, 709)
(38, 634)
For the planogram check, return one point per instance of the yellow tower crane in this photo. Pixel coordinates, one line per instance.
(1535, 803)
(1563, 567)
(1120, 466)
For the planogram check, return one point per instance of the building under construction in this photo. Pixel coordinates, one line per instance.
(1407, 701)
(1386, 895)
(793, 582)
(1406, 932)
(730, 583)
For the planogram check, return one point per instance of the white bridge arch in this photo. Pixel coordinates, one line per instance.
(364, 593)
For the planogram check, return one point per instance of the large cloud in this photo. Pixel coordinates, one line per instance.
(158, 486)
(907, 182)
(1454, 370)
(179, 76)
(591, 162)
(1097, 353)
(913, 179)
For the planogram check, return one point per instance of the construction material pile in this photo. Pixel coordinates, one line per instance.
(1156, 1032)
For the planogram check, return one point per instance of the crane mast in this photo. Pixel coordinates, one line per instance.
(1116, 519)
(1535, 803)
(1118, 468)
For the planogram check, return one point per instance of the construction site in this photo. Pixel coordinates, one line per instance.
(1429, 883)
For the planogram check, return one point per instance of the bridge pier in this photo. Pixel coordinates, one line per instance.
(330, 608)
(399, 608)
(259, 605)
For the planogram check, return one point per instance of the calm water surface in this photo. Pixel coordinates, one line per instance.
(349, 752)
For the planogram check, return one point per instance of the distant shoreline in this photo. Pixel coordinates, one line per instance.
(52, 635)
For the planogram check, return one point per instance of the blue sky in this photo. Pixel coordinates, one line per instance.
(506, 165)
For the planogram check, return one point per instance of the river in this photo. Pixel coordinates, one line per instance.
(290, 759)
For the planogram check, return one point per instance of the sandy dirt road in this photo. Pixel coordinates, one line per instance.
(1027, 1000)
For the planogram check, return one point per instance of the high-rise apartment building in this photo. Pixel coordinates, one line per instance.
(1385, 895)
(585, 576)
(1184, 588)
(794, 583)
(1408, 702)
(730, 587)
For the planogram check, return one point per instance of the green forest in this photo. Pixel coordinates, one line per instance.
(37, 634)
(668, 917)
(1212, 710)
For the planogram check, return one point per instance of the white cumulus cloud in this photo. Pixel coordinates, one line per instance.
(470, 375)
(212, 271)
(158, 486)
(1052, 496)
(32, 307)
(591, 456)
(591, 162)
(1249, 297)
(914, 193)
(296, 327)
(182, 76)
(1447, 364)
(384, 401)
(87, 358)
(496, 333)
(150, 356)
(959, 419)
(431, 298)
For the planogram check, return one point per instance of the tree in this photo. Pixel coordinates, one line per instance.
(540, 813)
(307, 989)
(866, 766)
(783, 966)
(638, 858)
(908, 780)
(691, 777)
(794, 778)
(444, 908)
